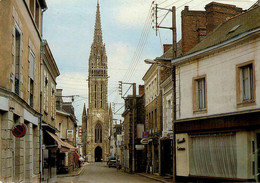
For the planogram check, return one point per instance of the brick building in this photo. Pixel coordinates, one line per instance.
(197, 24)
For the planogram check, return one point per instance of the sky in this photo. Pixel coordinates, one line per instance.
(68, 26)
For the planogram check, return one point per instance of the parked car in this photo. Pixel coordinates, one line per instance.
(111, 161)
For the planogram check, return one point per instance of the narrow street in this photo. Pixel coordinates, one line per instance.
(99, 172)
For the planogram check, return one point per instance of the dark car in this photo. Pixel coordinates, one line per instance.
(111, 161)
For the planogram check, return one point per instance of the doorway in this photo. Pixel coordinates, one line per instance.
(98, 154)
(166, 157)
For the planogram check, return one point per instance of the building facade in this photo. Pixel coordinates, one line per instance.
(65, 136)
(49, 73)
(97, 128)
(20, 37)
(134, 154)
(153, 118)
(217, 125)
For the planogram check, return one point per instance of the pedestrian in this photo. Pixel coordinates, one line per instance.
(81, 159)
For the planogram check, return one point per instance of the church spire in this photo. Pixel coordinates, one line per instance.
(84, 111)
(98, 30)
(98, 58)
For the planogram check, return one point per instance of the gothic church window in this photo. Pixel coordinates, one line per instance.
(98, 133)
(101, 96)
(95, 96)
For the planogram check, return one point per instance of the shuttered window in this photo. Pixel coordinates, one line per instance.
(31, 77)
(213, 155)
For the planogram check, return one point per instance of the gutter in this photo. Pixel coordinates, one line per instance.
(41, 82)
(186, 57)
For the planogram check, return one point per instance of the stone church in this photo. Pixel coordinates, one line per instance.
(98, 117)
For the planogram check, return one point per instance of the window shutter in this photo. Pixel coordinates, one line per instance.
(31, 65)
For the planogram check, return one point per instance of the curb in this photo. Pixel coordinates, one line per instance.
(153, 178)
(74, 174)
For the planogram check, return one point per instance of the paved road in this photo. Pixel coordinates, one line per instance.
(100, 173)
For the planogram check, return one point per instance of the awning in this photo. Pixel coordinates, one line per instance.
(63, 146)
(72, 148)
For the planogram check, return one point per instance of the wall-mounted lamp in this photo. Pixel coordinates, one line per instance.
(150, 61)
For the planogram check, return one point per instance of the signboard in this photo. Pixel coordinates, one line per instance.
(144, 141)
(145, 134)
(19, 130)
(139, 147)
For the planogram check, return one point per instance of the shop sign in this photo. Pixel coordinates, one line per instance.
(145, 141)
(145, 134)
(139, 147)
(19, 130)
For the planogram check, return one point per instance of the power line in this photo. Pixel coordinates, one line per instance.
(135, 58)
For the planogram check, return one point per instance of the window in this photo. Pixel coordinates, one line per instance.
(60, 129)
(169, 110)
(45, 93)
(98, 133)
(31, 76)
(95, 96)
(52, 101)
(31, 92)
(101, 96)
(17, 60)
(246, 85)
(37, 15)
(32, 7)
(247, 82)
(199, 93)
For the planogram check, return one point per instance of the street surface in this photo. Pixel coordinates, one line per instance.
(100, 173)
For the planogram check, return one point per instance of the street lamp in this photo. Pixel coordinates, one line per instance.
(150, 61)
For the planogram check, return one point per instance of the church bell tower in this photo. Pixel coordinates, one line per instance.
(97, 144)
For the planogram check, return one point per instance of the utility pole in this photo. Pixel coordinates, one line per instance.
(174, 47)
(174, 55)
(134, 127)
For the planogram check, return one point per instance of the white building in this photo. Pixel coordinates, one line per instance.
(217, 120)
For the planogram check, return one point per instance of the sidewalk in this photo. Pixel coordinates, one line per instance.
(164, 179)
(74, 173)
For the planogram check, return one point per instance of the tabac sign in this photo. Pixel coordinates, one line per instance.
(19, 130)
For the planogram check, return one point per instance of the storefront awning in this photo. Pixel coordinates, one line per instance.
(63, 146)
(72, 148)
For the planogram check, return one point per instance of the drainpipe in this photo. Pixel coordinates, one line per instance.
(41, 82)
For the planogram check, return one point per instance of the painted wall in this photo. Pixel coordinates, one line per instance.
(220, 71)
(167, 106)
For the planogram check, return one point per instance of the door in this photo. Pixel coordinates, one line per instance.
(98, 154)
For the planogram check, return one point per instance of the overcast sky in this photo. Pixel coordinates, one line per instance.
(127, 33)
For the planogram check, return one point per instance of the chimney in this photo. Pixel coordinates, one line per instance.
(166, 47)
(191, 21)
(141, 89)
(217, 13)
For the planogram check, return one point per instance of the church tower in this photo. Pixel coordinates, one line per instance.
(97, 144)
